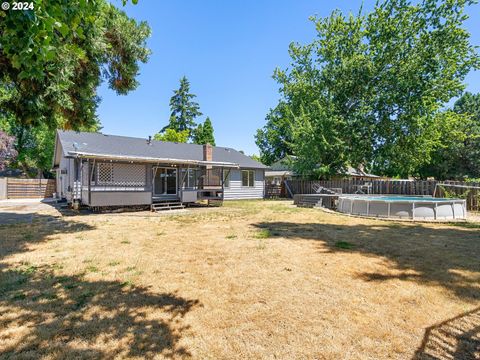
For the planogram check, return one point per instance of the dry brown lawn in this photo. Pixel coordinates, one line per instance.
(250, 280)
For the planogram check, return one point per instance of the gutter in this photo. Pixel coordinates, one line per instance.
(86, 155)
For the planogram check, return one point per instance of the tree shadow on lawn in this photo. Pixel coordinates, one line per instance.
(67, 316)
(433, 255)
(457, 338)
(17, 237)
(44, 314)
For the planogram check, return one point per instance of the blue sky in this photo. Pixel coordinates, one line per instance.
(228, 50)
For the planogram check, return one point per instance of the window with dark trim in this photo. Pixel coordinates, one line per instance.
(248, 178)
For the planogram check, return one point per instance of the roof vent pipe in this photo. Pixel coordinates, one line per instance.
(149, 141)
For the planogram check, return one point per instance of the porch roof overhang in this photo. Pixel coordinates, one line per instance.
(146, 159)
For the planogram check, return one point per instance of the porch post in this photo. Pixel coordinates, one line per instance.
(179, 182)
(89, 182)
(223, 183)
(80, 179)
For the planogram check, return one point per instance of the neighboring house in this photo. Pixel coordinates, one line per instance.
(279, 171)
(96, 170)
(360, 174)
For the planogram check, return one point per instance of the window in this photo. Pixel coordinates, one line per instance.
(190, 178)
(248, 178)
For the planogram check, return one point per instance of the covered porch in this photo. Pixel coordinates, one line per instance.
(188, 184)
(104, 181)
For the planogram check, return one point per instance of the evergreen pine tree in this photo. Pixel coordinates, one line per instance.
(183, 108)
(204, 133)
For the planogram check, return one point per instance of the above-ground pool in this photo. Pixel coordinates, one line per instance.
(404, 207)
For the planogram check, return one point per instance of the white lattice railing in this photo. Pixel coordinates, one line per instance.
(115, 177)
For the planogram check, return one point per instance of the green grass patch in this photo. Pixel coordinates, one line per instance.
(128, 283)
(263, 234)
(70, 286)
(29, 270)
(19, 296)
(466, 225)
(231, 236)
(92, 268)
(83, 298)
(344, 245)
(124, 242)
(63, 279)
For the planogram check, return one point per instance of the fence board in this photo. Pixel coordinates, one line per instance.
(30, 188)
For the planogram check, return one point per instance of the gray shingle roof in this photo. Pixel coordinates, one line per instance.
(113, 145)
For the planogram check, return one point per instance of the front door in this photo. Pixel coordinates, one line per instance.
(164, 181)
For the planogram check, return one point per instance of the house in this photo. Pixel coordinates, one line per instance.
(98, 170)
(360, 174)
(279, 171)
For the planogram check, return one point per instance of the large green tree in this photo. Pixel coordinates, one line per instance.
(172, 136)
(53, 58)
(458, 155)
(369, 89)
(275, 138)
(184, 110)
(203, 134)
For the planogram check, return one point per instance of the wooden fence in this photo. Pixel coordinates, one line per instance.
(29, 188)
(273, 191)
(468, 191)
(464, 190)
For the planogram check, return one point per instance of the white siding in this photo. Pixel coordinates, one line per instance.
(64, 179)
(237, 191)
